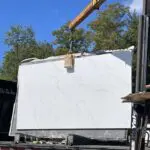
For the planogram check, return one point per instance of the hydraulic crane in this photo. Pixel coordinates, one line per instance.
(93, 5)
(141, 101)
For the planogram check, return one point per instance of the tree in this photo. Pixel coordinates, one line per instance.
(109, 27)
(20, 39)
(81, 40)
(18, 35)
(61, 51)
(131, 35)
(10, 66)
(23, 45)
(43, 50)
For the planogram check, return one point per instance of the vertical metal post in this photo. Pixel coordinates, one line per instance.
(139, 121)
(139, 54)
(146, 7)
(144, 53)
(142, 118)
(135, 116)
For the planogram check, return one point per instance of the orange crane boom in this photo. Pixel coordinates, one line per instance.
(94, 4)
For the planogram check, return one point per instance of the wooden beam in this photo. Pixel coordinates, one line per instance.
(140, 97)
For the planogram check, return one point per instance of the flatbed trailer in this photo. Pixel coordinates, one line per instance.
(31, 146)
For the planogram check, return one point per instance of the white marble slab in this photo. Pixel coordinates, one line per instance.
(49, 97)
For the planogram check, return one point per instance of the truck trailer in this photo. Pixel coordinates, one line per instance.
(61, 105)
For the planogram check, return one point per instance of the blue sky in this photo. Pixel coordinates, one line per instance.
(43, 15)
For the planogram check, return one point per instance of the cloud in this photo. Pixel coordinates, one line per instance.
(136, 5)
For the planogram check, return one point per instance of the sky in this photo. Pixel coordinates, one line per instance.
(45, 16)
(136, 4)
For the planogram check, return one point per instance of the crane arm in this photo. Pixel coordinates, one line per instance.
(94, 4)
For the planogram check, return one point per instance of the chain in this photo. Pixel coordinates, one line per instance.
(71, 41)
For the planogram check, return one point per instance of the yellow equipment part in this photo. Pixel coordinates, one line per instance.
(94, 4)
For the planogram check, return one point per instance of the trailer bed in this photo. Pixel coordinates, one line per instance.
(24, 146)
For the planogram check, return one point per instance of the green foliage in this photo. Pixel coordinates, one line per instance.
(41, 50)
(61, 51)
(19, 35)
(113, 26)
(131, 35)
(23, 45)
(63, 36)
(10, 66)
